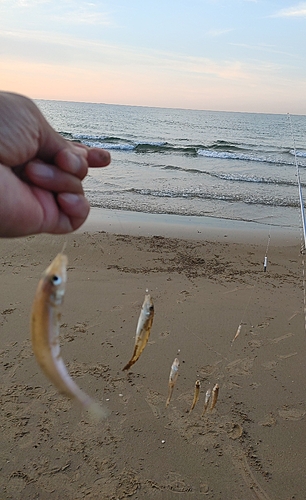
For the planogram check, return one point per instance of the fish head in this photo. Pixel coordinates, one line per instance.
(54, 279)
(148, 306)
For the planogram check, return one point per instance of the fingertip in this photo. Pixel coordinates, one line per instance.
(98, 157)
(74, 205)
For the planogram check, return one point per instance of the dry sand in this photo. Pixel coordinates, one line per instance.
(252, 446)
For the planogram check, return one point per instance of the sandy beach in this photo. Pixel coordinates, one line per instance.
(250, 447)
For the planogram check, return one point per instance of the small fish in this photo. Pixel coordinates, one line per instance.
(197, 388)
(206, 401)
(214, 396)
(237, 333)
(45, 319)
(172, 378)
(143, 329)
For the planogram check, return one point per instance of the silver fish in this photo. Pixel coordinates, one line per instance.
(172, 379)
(206, 401)
(143, 329)
(214, 396)
(45, 319)
(197, 388)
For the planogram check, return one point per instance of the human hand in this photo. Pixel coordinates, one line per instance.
(40, 172)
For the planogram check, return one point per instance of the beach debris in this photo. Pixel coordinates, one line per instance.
(172, 379)
(196, 395)
(207, 398)
(45, 317)
(143, 329)
(214, 396)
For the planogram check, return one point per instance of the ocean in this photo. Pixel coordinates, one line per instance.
(238, 166)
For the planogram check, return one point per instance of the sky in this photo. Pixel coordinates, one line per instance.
(223, 55)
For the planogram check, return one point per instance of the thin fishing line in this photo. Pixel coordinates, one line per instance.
(303, 222)
(265, 263)
(302, 211)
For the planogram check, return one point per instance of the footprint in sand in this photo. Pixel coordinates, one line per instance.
(204, 488)
(235, 431)
(240, 366)
(207, 370)
(16, 484)
(175, 482)
(268, 421)
(155, 402)
(291, 413)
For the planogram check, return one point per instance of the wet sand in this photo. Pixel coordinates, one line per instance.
(251, 446)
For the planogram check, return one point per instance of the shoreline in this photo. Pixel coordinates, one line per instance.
(187, 227)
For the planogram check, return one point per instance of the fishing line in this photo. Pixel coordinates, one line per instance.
(265, 263)
(302, 215)
(302, 211)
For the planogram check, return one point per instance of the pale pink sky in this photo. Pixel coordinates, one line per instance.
(241, 55)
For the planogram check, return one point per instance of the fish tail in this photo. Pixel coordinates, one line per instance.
(93, 407)
(193, 405)
(132, 360)
(97, 411)
(204, 409)
(169, 394)
(128, 366)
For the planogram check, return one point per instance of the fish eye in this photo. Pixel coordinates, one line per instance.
(56, 280)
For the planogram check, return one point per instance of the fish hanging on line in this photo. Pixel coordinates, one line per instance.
(45, 317)
(214, 396)
(172, 379)
(196, 395)
(143, 329)
(206, 401)
(237, 333)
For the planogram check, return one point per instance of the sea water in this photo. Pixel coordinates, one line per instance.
(238, 166)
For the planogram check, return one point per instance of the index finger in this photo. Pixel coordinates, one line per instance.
(98, 157)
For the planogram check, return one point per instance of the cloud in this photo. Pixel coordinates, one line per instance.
(64, 11)
(85, 13)
(296, 11)
(68, 51)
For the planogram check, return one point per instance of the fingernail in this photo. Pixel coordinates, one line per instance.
(41, 170)
(75, 162)
(71, 198)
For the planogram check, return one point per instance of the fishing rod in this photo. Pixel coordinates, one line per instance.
(302, 210)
